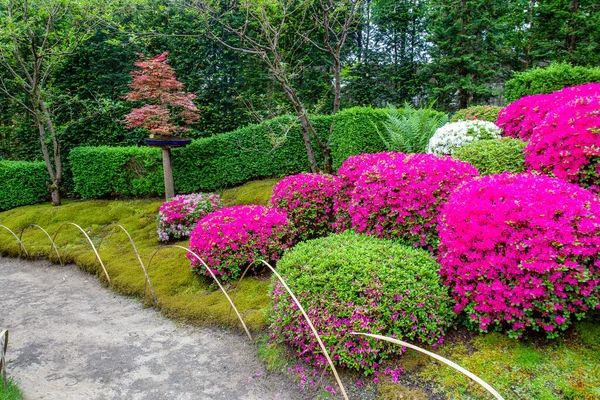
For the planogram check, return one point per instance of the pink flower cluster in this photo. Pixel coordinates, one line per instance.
(567, 143)
(520, 252)
(400, 197)
(231, 238)
(308, 200)
(348, 173)
(177, 217)
(519, 119)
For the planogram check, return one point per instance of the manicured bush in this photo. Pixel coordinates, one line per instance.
(348, 174)
(225, 160)
(454, 135)
(117, 171)
(548, 80)
(23, 183)
(567, 143)
(356, 131)
(518, 119)
(494, 156)
(231, 238)
(399, 198)
(308, 201)
(520, 252)
(481, 113)
(177, 218)
(350, 282)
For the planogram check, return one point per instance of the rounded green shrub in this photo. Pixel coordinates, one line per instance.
(482, 113)
(22, 183)
(349, 282)
(495, 156)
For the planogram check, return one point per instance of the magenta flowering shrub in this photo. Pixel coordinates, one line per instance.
(178, 216)
(348, 174)
(520, 252)
(308, 200)
(399, 198)
(518, 119)
(349, 282)
(231, 238)
(567, 143)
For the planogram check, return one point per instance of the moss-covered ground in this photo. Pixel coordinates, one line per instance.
(532, 368)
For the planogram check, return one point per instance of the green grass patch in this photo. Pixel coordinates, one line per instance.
(11, 391)
(529, 368)
(181, 294)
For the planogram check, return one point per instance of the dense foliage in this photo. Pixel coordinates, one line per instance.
(22, 183)
(177, 217)
(483, 113)
(400, 198)
(520, 252)
(308, 200)
(494, 156)
(229, 239)
(348, 174)
(408, 130)
(454, 135)
(364, 284)
(548, 80)
(567, 143)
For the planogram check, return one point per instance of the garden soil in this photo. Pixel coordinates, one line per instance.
(70, 338)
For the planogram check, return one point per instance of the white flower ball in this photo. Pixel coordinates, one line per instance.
(457, 134)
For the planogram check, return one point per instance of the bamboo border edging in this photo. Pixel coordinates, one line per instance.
(52, 244)
(19, 240)
(437, 357)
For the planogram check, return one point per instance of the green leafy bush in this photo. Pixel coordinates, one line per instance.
(356, 131)
(23, 183)
(409, 130)
(350, 282)
(548, 80)
(483, 113)
(495, 156)
(274, 148)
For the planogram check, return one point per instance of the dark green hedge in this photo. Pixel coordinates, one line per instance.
(225, 160)
(548, 80)
(494, 156)
(22, 183)
(355, 132)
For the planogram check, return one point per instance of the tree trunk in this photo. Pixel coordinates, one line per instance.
(168, 173)
(305, 127)
(55, 194)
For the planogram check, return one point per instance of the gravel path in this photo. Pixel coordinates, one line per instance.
(70, 338)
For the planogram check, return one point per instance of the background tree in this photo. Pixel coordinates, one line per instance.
(35, 37)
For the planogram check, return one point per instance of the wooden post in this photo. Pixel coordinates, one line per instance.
(169, 187)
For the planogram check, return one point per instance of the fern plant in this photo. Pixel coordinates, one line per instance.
(408, 130)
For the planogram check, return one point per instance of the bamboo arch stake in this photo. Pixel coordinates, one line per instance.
(314, 331)
(91, 244)
(52, 245)
(437, 357)
(211, 274)
(138, 257)
(16, 237)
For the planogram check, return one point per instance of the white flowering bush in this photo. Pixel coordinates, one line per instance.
(178, 217)
(457, 134)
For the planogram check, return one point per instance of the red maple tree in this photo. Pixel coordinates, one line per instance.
(155, 82)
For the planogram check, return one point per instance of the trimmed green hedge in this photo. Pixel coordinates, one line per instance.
(483, 113)
(23, 183)
(548, 80)
(494, 156)
(355, 132)
(225, 160)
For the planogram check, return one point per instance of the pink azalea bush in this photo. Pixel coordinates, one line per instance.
(399, 198)
(348, 174)
(520, 118)
(567, 143)
(520, 252)
(231, 238)
(308, 200)
(178, 216)
(349, 282)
